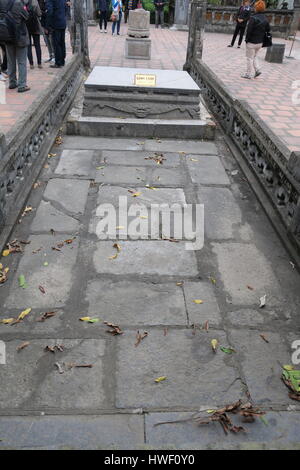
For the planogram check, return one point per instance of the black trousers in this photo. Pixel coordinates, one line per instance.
(37, 45)
(239, 29)
(59, 44)
(3, 67)
(103, 19)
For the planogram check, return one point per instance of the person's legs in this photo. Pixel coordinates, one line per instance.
(105, 20)
(250, 57)
(37, 46)
(63, 45)
(161, 14)
(119, 23)
(156, 18)
(235, 34)
(59, 46)
(29, 52)
(49, 45)
(126, 15)
(255, 60)
(21, 54)
(113, 27)
(242, 32)
(101, 20)
(4, 59)
(12, 65)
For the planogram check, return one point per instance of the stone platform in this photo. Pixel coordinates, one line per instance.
(110, 92)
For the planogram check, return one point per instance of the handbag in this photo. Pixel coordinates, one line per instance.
(114, 17)
(267, 41)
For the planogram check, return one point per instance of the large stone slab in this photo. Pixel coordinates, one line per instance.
(71, 194)
(48, 218)
(123, 175)
(281, 432)
(100, 143)
(56, 278)
(122, 431)
(33, 381)
(261, 365)
(110, 195)
(129, 157)
(136, 303)
(186, 146)
(145, 257)
(31, 325)
(222, 215)
(242, 265)
(195, 374)
(208, 310)
(138, 48)
(75, 162)
(207, 170)
(107, 93)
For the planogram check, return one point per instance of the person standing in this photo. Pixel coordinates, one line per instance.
(46, 32)
(102, 8)
(34, 29)
(159, 12)
(56, 20)
(3, 62)
(129, 5)
(16, 48)
(117, 13)
(241, 19)
(258, 26)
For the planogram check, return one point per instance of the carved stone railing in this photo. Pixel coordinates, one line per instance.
(274, 165)
(221, 20)
(24, 149)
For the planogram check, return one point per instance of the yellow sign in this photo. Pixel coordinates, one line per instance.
(144, 79)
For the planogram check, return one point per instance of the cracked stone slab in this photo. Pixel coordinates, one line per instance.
(110, 195)
(282, 432)
(260, 365)
(145, 257)
(207, 170)
(55, 278)
(69, 193)
(101, 143)
(76, 162)
(33, 381)
(122, 431)
(222, 214)
(186, 146)
(127, 157)
(241, 265)
(49, 218)
(208, 310)
(195, 374)
(136, 303)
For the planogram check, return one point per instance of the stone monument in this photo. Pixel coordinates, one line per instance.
(138, 43)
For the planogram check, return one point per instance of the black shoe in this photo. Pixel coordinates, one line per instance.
(23, 89)
(230, 45)
(55, 66)
(238, 47)
(12, 87)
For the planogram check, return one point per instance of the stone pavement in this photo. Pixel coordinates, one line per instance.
(150, 286)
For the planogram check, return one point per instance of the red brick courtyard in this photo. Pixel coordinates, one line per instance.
(270, 94)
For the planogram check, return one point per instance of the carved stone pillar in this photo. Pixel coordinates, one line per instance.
(81, 30)
(181, 17)
(196, 32)
(296, 18)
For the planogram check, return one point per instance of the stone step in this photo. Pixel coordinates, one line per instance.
(115, 127)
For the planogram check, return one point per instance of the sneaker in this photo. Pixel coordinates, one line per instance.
(245, 75)
(55, 66)
(12, 87)
(101, 31)
(40, 66)
(257, 73)
(23, 89)
(105, 31)
(2, 78)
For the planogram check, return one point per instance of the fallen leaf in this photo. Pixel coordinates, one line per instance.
(214, 344)
(5, 252)
(46, 315)
(23, 345)
(136, 194)
(206, 325)
(70, 365)
(227, 350)
(212, 280)
(41, 288)
(193, 160)
(116, 330)
(165, 331)
(160, 379)
(51, 155)
(250, 288)
(140, 337)
(198, 301)
(24, 314)
(7, 321)
(263, 301)
(113, 257)
(3, 274)
(179, 283)
(46, 263)
(117, 246)
(120, 227)
(37, 185)
(60, 369)
(69, 240)
(264, 338)
(22, 281)
(89, 319)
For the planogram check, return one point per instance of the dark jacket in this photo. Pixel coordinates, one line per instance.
(243, 14)
(134, 4)
(56, 14)
(33, 24)
(102, 5)
(20, 15)
(258, 25)
(159, 4)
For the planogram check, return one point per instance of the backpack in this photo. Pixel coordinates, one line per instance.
(8, 26)
(32, 23)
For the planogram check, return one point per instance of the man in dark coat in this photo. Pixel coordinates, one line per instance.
(17, 51)
(129, 5)
(241, 19)
(159, 12)
(57, 21)
(103, 9)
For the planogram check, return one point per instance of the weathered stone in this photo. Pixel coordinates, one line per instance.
(138, 48)
(145, 257)
(247, 317)
(55, 278)
(98, 143)
(275, 53)
(195, 374)
(75, 162)
(70, 194)
(123, 431)
(33, 381)
(122, 175)
(139, 23)
(147, 197)
(31, 325)
(207, 170)
(136, 303)
(112, 157)
(208, 310)
(260, 365)
(222, 215)
(281, 432)
(188, 147)
(107, 94)
(48, 218)
(242, 265)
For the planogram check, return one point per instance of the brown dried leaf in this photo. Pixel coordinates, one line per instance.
(206, 326)
(116, 330)
(46, 315)
(41, 288)
(294, 396)
(23, 345)
(264, 338)
(140, 337)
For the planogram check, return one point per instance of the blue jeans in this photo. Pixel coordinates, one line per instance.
(118, 23)
(17, 56)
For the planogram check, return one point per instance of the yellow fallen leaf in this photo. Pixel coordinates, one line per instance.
(6, 321)
(193, 160)
(6, 270)
(1, 266)
(24, 313)
(85, 318)
(198, 301)
(288, 367)
(160, 379)
(5, 252)
(114, 256)
(136, 194)
(214, 344)
(117, 246)
(120, 227)
(143, 217)
(210, 411)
